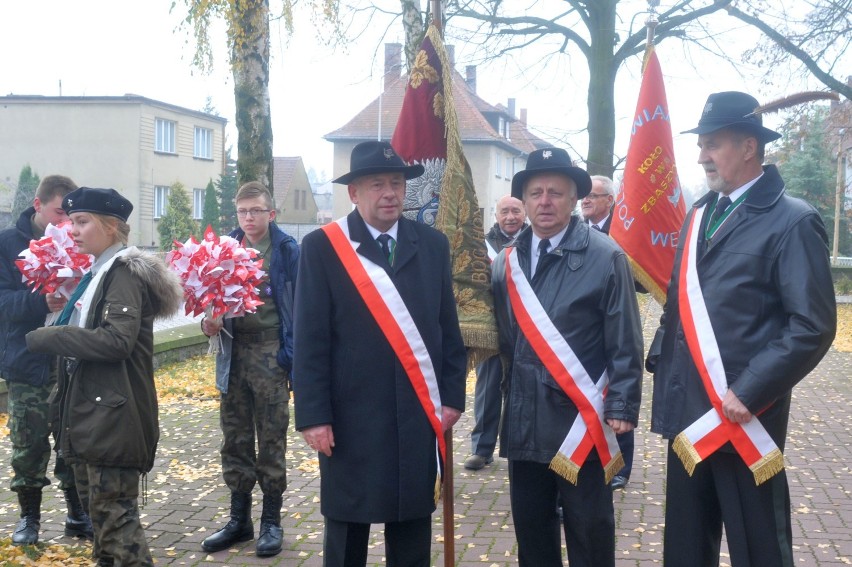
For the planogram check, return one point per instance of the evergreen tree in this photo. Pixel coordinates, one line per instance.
(227, 192)
(806, 159)
(210, 216)
(24, 195)
(177, 223)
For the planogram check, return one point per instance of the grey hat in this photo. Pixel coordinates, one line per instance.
(733, 109)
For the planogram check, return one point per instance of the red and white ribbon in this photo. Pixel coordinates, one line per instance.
(391, 314)
(713, 429)
(589, 428)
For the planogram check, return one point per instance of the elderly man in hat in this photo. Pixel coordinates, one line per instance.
(750, 311)
(569, 329)
(379, 367)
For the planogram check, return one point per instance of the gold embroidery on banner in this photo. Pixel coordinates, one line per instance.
(422, 70)
(438, 105)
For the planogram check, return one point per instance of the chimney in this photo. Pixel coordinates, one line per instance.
(393, 62)
(451, 55)
(470, 79)
(524, 117)
(512, 107)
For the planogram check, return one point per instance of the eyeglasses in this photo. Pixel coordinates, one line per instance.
(596, 195)
(243, 213)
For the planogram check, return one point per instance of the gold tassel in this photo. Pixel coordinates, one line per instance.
(641, 276)
(767, 467)
(793, 100)
(563, 466)
(612, 468)
(686, 453)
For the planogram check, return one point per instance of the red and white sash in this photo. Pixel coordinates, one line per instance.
(589, 428)
(712, 430)
(391, 314)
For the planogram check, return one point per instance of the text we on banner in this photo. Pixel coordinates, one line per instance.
(649, 210)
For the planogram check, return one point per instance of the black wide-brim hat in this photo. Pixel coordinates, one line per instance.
(101, 201)
(370, 158)
(551, 160)
(732, 109)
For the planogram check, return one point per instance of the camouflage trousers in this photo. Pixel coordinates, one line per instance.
(29, 431)
(111, 496)
(255, 410)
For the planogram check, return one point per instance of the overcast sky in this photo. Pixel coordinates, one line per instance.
(109, 48)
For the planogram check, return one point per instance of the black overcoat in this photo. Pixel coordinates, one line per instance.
(383, 465)
(766, 282)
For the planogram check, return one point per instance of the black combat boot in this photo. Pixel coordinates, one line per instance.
(239, 527)
(77, 523)
(26, 532)
(271, 534)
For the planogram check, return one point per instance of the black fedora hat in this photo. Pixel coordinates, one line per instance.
(369, 158)
(101, 201)
(732, 109)
(551, 160)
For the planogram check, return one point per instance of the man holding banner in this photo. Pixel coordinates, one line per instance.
(379, 364)
(750, 312)
(569, 328)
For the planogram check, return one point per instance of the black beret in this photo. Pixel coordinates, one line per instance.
(100, 201)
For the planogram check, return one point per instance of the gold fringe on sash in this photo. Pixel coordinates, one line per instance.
(565, 468)
(439, 488)
(612, 468)
(768, 466)
(764, 469)
(686, 453)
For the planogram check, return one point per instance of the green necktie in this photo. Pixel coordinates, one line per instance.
(388, 245)
(65, 316)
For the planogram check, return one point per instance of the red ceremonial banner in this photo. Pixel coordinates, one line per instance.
(649, 210)
(444, 197)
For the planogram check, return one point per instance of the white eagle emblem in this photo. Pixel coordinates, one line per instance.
(708, 107)
(546, 154)
(70, 202)
(388, 153)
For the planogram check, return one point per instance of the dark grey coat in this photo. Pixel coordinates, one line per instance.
(586, 287)
(767, 286)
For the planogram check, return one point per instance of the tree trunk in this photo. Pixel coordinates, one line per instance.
(601, 97)
(250, 62)
(412, 23)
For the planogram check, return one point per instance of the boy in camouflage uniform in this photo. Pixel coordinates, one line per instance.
(31, 377)
(253, 373)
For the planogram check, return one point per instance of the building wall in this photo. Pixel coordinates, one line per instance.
(107, 143)
(298, 206)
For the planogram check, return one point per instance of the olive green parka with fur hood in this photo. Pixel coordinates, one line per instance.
(106, 395)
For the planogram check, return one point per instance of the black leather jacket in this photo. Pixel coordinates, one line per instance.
(586, 286)
(767, 286)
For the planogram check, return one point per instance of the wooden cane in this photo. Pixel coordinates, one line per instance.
(449, 504)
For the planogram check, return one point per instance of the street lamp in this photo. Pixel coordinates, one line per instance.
(839, 194)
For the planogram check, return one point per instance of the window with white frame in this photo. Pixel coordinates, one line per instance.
(198, 203)
(164, 136)
(508, 174)
(203, 143)
(161, 197)
(498, 165)
(501, 126)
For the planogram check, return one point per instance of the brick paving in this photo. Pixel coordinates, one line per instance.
(187, 499)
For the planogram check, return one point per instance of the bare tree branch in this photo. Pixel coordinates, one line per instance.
(794, 50)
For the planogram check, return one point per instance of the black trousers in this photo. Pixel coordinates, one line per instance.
(587, 513)
(407, 544)
(721, 491)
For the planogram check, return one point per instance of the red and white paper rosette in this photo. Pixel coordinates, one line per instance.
(220, 276)
(53, 264)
